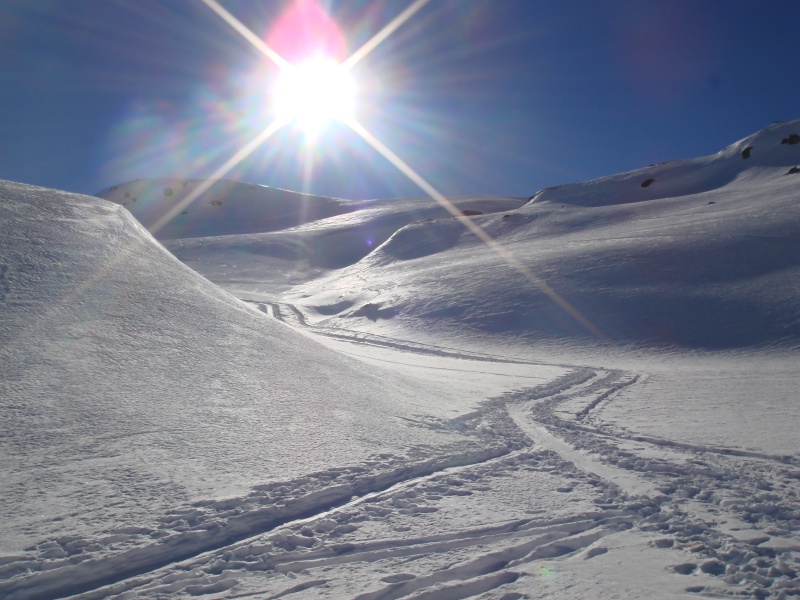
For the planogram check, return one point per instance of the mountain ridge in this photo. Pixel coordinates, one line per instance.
(764, 148)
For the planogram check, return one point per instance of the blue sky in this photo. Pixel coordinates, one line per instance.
(478, 96)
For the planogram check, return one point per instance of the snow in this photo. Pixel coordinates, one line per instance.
(223, 206)
(632, 269)
(369, 402)
(133, 386)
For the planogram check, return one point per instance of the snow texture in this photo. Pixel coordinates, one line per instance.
(370, 402)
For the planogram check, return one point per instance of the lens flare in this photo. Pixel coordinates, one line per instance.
(306, 30)
(546, 572)
(313, 89)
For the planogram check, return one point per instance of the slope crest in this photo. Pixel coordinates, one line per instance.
(226, 207)
(772, 151)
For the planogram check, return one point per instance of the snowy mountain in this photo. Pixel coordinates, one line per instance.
(221, 207)
(769, 153)
(696, 253)
(373, 402)
(705, 256)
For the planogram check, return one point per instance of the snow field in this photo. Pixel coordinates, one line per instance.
(699, 263)
(306, 250)
(579, 484)
(412, 419)
(133, 389)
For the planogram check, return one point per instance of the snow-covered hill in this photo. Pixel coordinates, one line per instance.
(132, 389)
(220, 207)
(276, 260)
(706, 256)
(600, 403)
(768, 153)
(695, 253)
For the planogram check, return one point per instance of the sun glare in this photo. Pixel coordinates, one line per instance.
(313, 93)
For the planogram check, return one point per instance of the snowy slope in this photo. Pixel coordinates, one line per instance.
(605, 408)
(276, 260)
(707, 256)
(769, 152)
(132, 389)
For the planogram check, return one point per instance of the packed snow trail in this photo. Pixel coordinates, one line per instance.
(223, 524)
(716, 500)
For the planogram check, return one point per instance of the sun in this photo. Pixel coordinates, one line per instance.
(314, 93)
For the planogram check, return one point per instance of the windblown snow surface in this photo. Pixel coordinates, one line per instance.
(371, 402)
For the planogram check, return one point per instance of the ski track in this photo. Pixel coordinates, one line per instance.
(718, 504)
(726, 493)
(292, 316)
(301, 546)
(212, 525)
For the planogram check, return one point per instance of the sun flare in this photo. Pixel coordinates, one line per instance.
(314, 93)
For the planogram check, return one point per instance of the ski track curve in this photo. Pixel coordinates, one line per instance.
(291, 315)
(721, 498)
(717, 503)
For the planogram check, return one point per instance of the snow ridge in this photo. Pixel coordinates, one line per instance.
(769, 151)
(226, 207)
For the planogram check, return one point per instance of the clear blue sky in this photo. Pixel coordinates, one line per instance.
(479, 96)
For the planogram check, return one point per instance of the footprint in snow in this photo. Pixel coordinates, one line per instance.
(398, 578)
(685, 568)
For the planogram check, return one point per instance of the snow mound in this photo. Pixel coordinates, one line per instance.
(226, 207)
(131, 385)
(281, 258)
(774, 149)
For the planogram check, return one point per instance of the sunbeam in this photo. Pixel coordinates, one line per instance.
(246, 33)
(234, 160)
(384, 33)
